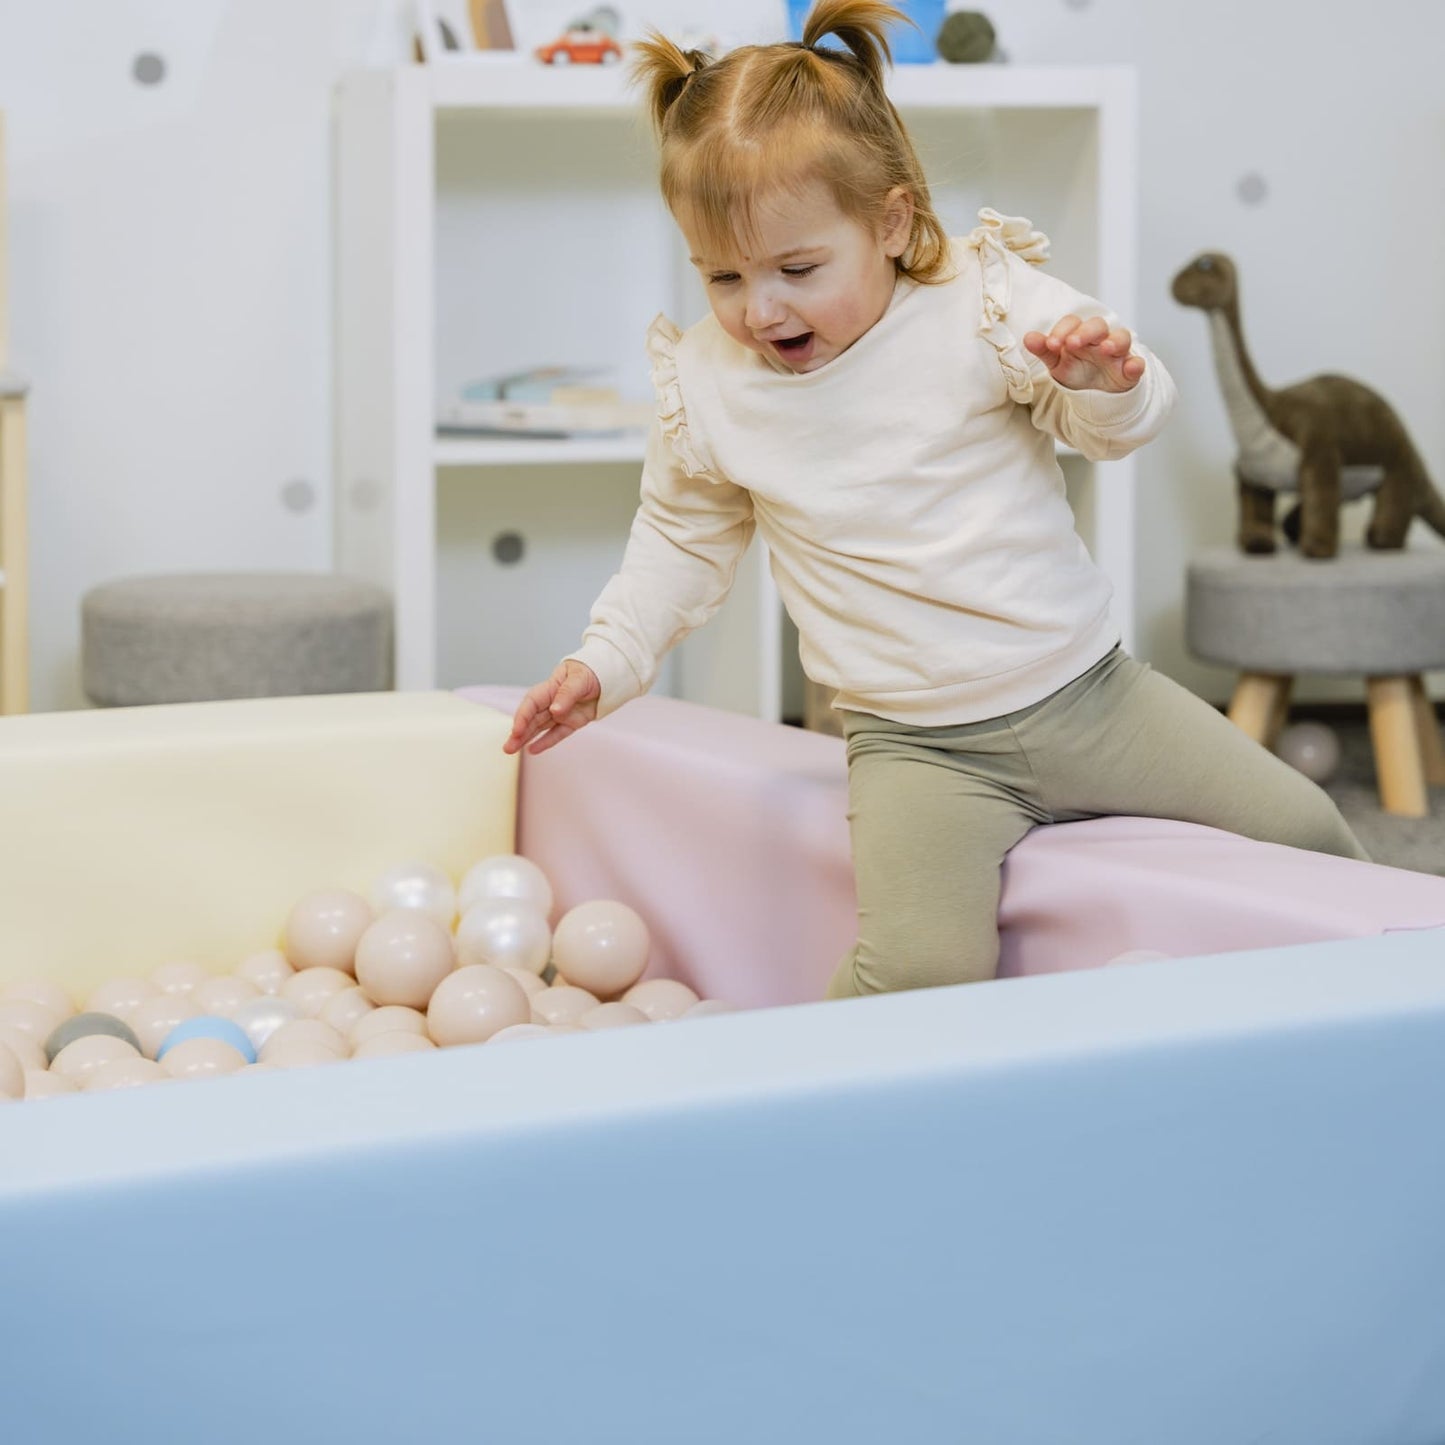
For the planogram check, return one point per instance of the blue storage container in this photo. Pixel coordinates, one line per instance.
(909, 46)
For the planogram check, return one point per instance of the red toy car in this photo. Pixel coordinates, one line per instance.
(584, 47)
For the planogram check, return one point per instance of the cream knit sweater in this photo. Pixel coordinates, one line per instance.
(908, 492)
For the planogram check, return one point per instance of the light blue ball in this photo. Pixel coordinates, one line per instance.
(209, 1026)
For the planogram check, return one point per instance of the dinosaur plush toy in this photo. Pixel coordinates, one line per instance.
(1329, 438)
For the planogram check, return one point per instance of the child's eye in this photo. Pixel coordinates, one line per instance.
(799, 270)
(722, 278)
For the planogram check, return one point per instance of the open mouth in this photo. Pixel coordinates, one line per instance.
(795, 348)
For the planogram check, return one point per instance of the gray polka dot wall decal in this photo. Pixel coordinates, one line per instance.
(298, 496)
(364, 495)
(508, 548)
(148, 68)
(1252, 189)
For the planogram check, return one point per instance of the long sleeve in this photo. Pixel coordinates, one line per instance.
(1019, 298)
(688, 536)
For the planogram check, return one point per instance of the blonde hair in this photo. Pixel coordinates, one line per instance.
(768, 117)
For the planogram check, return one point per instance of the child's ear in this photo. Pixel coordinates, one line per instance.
(897, 222)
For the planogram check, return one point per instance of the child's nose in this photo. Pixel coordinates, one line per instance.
(763, 310)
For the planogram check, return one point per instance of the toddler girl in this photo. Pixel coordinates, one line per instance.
(882, 403)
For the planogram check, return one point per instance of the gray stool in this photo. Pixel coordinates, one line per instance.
(206, 636)
(1376, 615)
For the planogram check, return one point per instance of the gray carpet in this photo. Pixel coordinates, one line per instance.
(1417, 843)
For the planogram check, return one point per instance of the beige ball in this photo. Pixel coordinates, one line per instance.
(383, 1046)
(601, 946)
(180, 977)
(531, 984)
(224, 995)
(611, 1016)
(30, 1018)
(300, 1054)
(389, 1019)
(152, 1019)
(87, 1054)
(323, 929)
(563, 1003)
(12, 1075)
(42, 991)
(344, 1009)
(313, 988)
(402, 957)
(42, 1084)
(119, 997)
(303, 1033)
(707, 1007)
(519, 1031)
(472, 1004)
(268, 970)
(202, 1059)
(125, 1074)
(661, 999)
(29, 1051)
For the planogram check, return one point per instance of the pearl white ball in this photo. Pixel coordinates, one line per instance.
(506, 875)
(418, 886)
(506, 933)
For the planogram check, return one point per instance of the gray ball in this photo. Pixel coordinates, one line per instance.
(967, 38)
(82, 1025)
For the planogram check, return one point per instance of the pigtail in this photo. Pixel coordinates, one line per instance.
(663, 71)
(862, 25)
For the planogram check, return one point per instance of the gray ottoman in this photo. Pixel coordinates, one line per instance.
(1376, 615)
(207, 636)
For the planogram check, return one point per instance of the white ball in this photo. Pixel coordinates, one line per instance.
(661, 999)
(506, 875)
(418, 886)
(506, 933)
(1310, 748)
(259, 1018)
(601, 946)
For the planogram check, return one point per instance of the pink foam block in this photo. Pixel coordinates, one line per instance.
(730, 837)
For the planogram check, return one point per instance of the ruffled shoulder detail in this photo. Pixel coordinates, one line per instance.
(663, 337)
(994, 239)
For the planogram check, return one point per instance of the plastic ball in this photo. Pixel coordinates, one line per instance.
(124, 1074)
(322, 929)
(120, 996)
(261, 1017)
(417, 886)
(303, 1035)
(311, 989)
(661, 999)
(86, 1054)
(383, 1046)
(506, 933)
(180, 977)
(42, 1084)
(1310, 748)
(202, 1057)
(472, 1004)
(30, 1051)
(389, 1019)
(520, 1031)
(12, 1075)
(224, 995)
(153, 1019)
(42, 991)
(708, 1007)
(32, 1018)
(209, 1026)
(402, 957)
(84, 1025)
(563, 1003)
(506, 875)
(601, 946)
(611, 1016)
(343, 1009)
(268, 970)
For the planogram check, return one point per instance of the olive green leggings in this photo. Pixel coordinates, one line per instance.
(933, 811)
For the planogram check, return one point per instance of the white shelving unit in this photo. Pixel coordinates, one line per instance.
(493, 215)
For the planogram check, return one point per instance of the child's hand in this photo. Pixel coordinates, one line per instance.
(555, 709)
(1086, 355)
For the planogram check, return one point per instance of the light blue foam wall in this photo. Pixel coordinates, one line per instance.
(1189, 1202)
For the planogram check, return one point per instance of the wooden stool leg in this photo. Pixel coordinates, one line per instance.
(1280, 715)
(1432, 749)
(1395, 734)
(1259, 699)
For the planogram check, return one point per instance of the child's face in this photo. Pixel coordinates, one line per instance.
(810, 282)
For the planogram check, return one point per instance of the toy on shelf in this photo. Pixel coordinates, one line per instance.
(580, 45)
(967, 37)
(1329, 438)
(548, 402)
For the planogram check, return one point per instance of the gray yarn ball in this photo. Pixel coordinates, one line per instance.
(967, 37)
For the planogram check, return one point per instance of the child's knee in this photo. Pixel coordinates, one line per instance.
(874, 968)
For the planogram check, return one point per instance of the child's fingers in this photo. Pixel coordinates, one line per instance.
(1064, 327)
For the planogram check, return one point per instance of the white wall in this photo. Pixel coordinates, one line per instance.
(170, 253)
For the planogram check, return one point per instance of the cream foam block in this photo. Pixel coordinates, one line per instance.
(138, 836)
